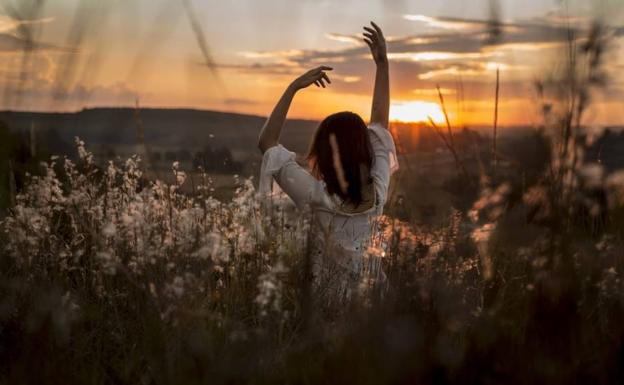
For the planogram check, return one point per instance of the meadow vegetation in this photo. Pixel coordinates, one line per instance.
(107, 276)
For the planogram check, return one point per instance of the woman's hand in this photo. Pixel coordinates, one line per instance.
(380, 111)
(316, 76)
(269, 136)
(376, 41)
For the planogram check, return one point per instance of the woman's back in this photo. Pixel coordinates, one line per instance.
(342, 233)
(351, 169)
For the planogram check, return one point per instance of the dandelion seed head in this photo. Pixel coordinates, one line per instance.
(109, 230)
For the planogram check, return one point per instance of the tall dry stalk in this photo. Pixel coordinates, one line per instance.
(566, 97)
(140, 131)
(448, 138)
(12, 184)
(446, 117)
(460, 99)
(494, 137)
(202, 41)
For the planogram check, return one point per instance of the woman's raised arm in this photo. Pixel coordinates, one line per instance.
(380, 112)
(269, 136)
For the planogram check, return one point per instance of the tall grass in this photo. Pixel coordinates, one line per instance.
(108, 277)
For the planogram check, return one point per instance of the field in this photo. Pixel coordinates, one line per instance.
(134, 249)
(110, 275)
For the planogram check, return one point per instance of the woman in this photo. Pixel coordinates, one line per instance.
(347, 185)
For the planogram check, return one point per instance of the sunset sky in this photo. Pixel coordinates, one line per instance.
(239, 55)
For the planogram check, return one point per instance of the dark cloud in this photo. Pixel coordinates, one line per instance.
(11, 43)
(47, 96)
(239, 102)
(17, 31)
(464, 48)
(276, 68)
(34, 84)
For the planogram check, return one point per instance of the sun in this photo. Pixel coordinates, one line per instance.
(415, 112)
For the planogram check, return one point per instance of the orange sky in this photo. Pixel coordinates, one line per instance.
(240, 55)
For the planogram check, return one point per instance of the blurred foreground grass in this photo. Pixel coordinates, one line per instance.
(108, 277)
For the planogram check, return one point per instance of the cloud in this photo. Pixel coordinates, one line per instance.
(34, 86)
(13, 37)
(271, 54)
(351, 39)
(45, 95)
(440, 56)
(240, 102)
(10, 43)
(272, 68)
(457, 48)
(9, 24)
(451, 23)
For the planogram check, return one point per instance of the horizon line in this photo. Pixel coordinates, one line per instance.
(198, 109)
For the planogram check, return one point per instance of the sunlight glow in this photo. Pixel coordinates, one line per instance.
(447, 23)
(416, 111)
(440, 56)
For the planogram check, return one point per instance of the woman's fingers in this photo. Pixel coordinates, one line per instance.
(318, 81)
(316, 76)
(322, 68)
(377, 29)
(321, 78)
(371, 31)
(375, 40)
(372, 43)
(370, 37)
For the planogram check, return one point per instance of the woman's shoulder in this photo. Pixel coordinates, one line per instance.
(380, 136)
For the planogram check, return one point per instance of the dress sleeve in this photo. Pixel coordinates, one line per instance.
(279, 164)
(385, 159)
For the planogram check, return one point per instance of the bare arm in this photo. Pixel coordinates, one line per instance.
(380, 111)
(269, 136)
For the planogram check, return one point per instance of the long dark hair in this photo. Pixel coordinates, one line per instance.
(341, 155)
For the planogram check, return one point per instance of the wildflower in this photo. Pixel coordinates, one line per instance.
(270, 290)
(108, 261)
(483, 233)
(376, 251)
(152, 290)
(615, 189)
(592, 174)
(177, 287)
(109, 230)
(481, 236)
(84, 155)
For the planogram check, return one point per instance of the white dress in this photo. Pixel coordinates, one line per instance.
(340, 237)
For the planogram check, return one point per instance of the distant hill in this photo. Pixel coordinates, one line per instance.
(182, 133)
(118, 129)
